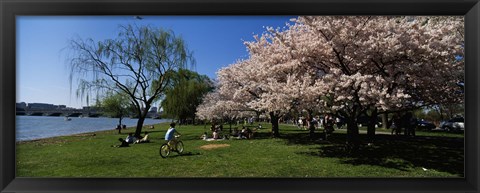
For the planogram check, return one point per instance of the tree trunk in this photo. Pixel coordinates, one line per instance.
(385, 121)
(353, 135)
(311, 127)
(371, 126)
(120, 121)
(440, 112)
(258, 115)
(119, 126)
(141, 120)
(138, 131)
(274, 120)
(231, 120)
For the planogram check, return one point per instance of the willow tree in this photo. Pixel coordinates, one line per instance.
(184, 94)
(137, 63)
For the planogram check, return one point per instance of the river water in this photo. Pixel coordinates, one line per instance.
(38, 127)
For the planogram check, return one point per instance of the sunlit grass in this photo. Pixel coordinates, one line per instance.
(294, 154)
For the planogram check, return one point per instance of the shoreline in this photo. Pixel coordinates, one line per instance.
(87, 134)
(92, 133)
(31, 129)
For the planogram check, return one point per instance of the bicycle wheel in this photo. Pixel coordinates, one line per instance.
(164, 150)
(179, 147)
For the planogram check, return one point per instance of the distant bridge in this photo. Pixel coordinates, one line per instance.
(60, 112)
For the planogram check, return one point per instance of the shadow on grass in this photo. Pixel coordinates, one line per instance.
(132, 131)
(262, 135)
(185, 154)
(445, 154)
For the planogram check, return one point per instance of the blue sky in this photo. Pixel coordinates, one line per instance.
(42, 73)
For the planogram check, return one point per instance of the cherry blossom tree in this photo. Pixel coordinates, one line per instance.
(363, 64)
(218, 107)
(224, 102)
(350, 66)
(258, 89)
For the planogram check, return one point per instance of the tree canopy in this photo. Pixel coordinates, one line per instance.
(184, 94)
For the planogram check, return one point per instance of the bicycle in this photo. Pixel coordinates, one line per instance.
(165, 149)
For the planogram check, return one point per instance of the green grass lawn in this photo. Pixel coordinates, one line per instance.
(294, 154)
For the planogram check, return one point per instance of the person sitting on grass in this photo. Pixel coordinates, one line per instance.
(170, 135)
(204, 136)
(216, 134)
(144, 139)
(130, 138)
(246, 133)
(242, 133)
(124, 143)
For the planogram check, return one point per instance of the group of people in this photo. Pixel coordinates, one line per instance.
(130, 139)
(245, 133)
(407, 122)
(318, 122)
(217, 133)
(327, 122)
(169, 137)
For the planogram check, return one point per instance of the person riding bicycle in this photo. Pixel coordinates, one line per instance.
(170, 135)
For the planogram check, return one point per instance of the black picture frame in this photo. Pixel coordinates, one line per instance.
(9, 9)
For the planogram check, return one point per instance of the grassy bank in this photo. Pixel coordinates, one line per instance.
(294, 154)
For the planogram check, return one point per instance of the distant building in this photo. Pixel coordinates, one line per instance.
(41, 106)
(153, 110)
(152, 113)
(91, 109)
(21, 105)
